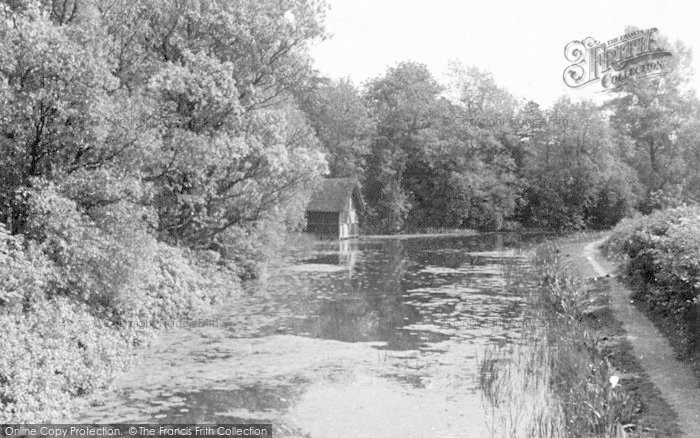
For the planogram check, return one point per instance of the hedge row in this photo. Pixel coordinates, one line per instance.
(663, 261)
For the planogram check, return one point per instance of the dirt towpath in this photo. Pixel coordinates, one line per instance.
(674, 379)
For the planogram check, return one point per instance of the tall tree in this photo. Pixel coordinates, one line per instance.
(343, 125)
(433, 164)
(653, 111)
(403, 103)
(488, 146)
(191, 100)
(574, 172)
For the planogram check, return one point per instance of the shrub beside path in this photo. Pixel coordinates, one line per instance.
(674, 379)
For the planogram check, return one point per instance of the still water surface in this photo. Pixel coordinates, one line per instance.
(374, 338)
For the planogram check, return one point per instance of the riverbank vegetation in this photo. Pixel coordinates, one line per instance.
(572, 373)
(153, 153)
(69, 321)
(661, 254)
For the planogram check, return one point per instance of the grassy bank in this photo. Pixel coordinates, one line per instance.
(70, 321)
(661, 259)
(572, 374)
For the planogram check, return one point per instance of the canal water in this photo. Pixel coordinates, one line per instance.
(376, 338)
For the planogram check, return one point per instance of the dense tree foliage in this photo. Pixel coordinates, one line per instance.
(343, 125)
(139, 144)
(431, 165)
(573, 170)
(404, 103)
(181, 108)
(658, 114)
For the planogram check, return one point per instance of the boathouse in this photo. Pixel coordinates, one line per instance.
(333, 210)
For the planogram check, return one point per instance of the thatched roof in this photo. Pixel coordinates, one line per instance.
(333, 193)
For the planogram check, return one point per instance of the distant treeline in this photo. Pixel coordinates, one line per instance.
(469, 154)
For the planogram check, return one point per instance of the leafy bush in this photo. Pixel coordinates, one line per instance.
(78, 290)
(95, 265)
(167, 289)
(663, 251)
(117, 268)
(245, 250)
(24, 272)
(51, 353)
(59, 343)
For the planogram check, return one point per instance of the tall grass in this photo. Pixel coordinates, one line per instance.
(557, 381)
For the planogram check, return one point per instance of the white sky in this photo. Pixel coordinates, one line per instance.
(520, 42)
